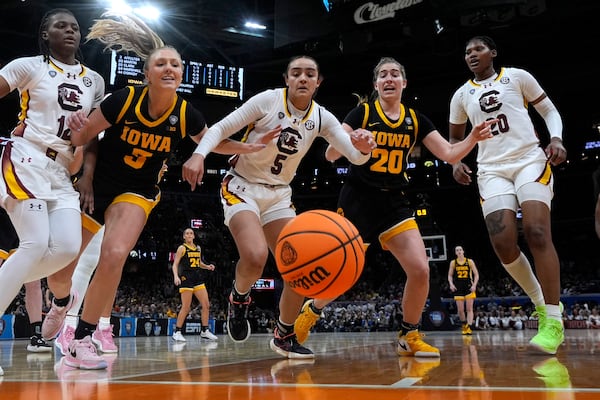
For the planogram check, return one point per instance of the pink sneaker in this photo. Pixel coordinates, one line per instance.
(82, 354)
(64, 339)
(103, 339)
(55, 318)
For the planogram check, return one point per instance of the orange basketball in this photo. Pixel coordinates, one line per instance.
(320, 254)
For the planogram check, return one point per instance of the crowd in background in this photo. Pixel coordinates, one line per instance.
(147, 288)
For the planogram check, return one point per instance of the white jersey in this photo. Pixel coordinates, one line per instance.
(49, 92)
(278, 162)
(505, 97)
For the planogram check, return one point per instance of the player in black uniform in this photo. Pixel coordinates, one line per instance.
(188, 274)
(373, 198)
(142, 125)
(463, 278)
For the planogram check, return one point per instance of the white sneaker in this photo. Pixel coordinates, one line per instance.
(208, 335)
(178, 337)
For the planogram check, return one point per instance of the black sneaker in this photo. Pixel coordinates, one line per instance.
(38, 345)
(238, 326)
(289, 347)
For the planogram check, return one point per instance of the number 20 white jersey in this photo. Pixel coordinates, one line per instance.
(505, 97)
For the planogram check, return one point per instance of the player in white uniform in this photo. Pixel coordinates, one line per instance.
(35, 183)
(255, 193)
(514, 171)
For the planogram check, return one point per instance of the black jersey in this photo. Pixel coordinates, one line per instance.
(191, 260)
(133, 150)
(463, 274)
(395, 141)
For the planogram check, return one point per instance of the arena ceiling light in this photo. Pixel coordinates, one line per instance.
(146, 11)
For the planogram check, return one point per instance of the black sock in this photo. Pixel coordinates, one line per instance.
(84, 329)
(237, 297)
(204, 328)
(62, 302)
(314, 308)
(177, 329)
(36, 329)
(284, 329)
(406, 327)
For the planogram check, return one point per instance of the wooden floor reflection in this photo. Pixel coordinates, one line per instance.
(488, 365)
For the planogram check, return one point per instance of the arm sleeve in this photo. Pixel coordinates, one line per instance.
(249, 112)
(551, 117)
(531, 91)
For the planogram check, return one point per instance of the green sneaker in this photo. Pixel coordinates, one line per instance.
(553, 373)
(540, 313)
(549, 337)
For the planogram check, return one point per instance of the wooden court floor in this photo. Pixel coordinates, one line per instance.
(496, 365)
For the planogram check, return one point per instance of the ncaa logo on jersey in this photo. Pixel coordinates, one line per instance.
(87, 82)
(310, 124)
(52, 74)
(281, 115)
(173, 119)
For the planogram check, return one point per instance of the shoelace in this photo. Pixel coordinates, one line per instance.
(286, 337)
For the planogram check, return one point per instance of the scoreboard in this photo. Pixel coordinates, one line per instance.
(199, 78)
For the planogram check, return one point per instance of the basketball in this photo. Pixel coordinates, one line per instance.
(320, 254)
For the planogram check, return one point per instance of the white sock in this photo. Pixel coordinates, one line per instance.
(553, 312)
(71, 320)
(104, 323)
(520, 270)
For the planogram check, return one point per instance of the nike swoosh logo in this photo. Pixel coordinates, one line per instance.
(404, 346)
(373, 124)
(130, 122)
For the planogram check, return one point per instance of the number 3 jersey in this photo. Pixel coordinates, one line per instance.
(49, 91)
(395, 140)
(132, 151)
